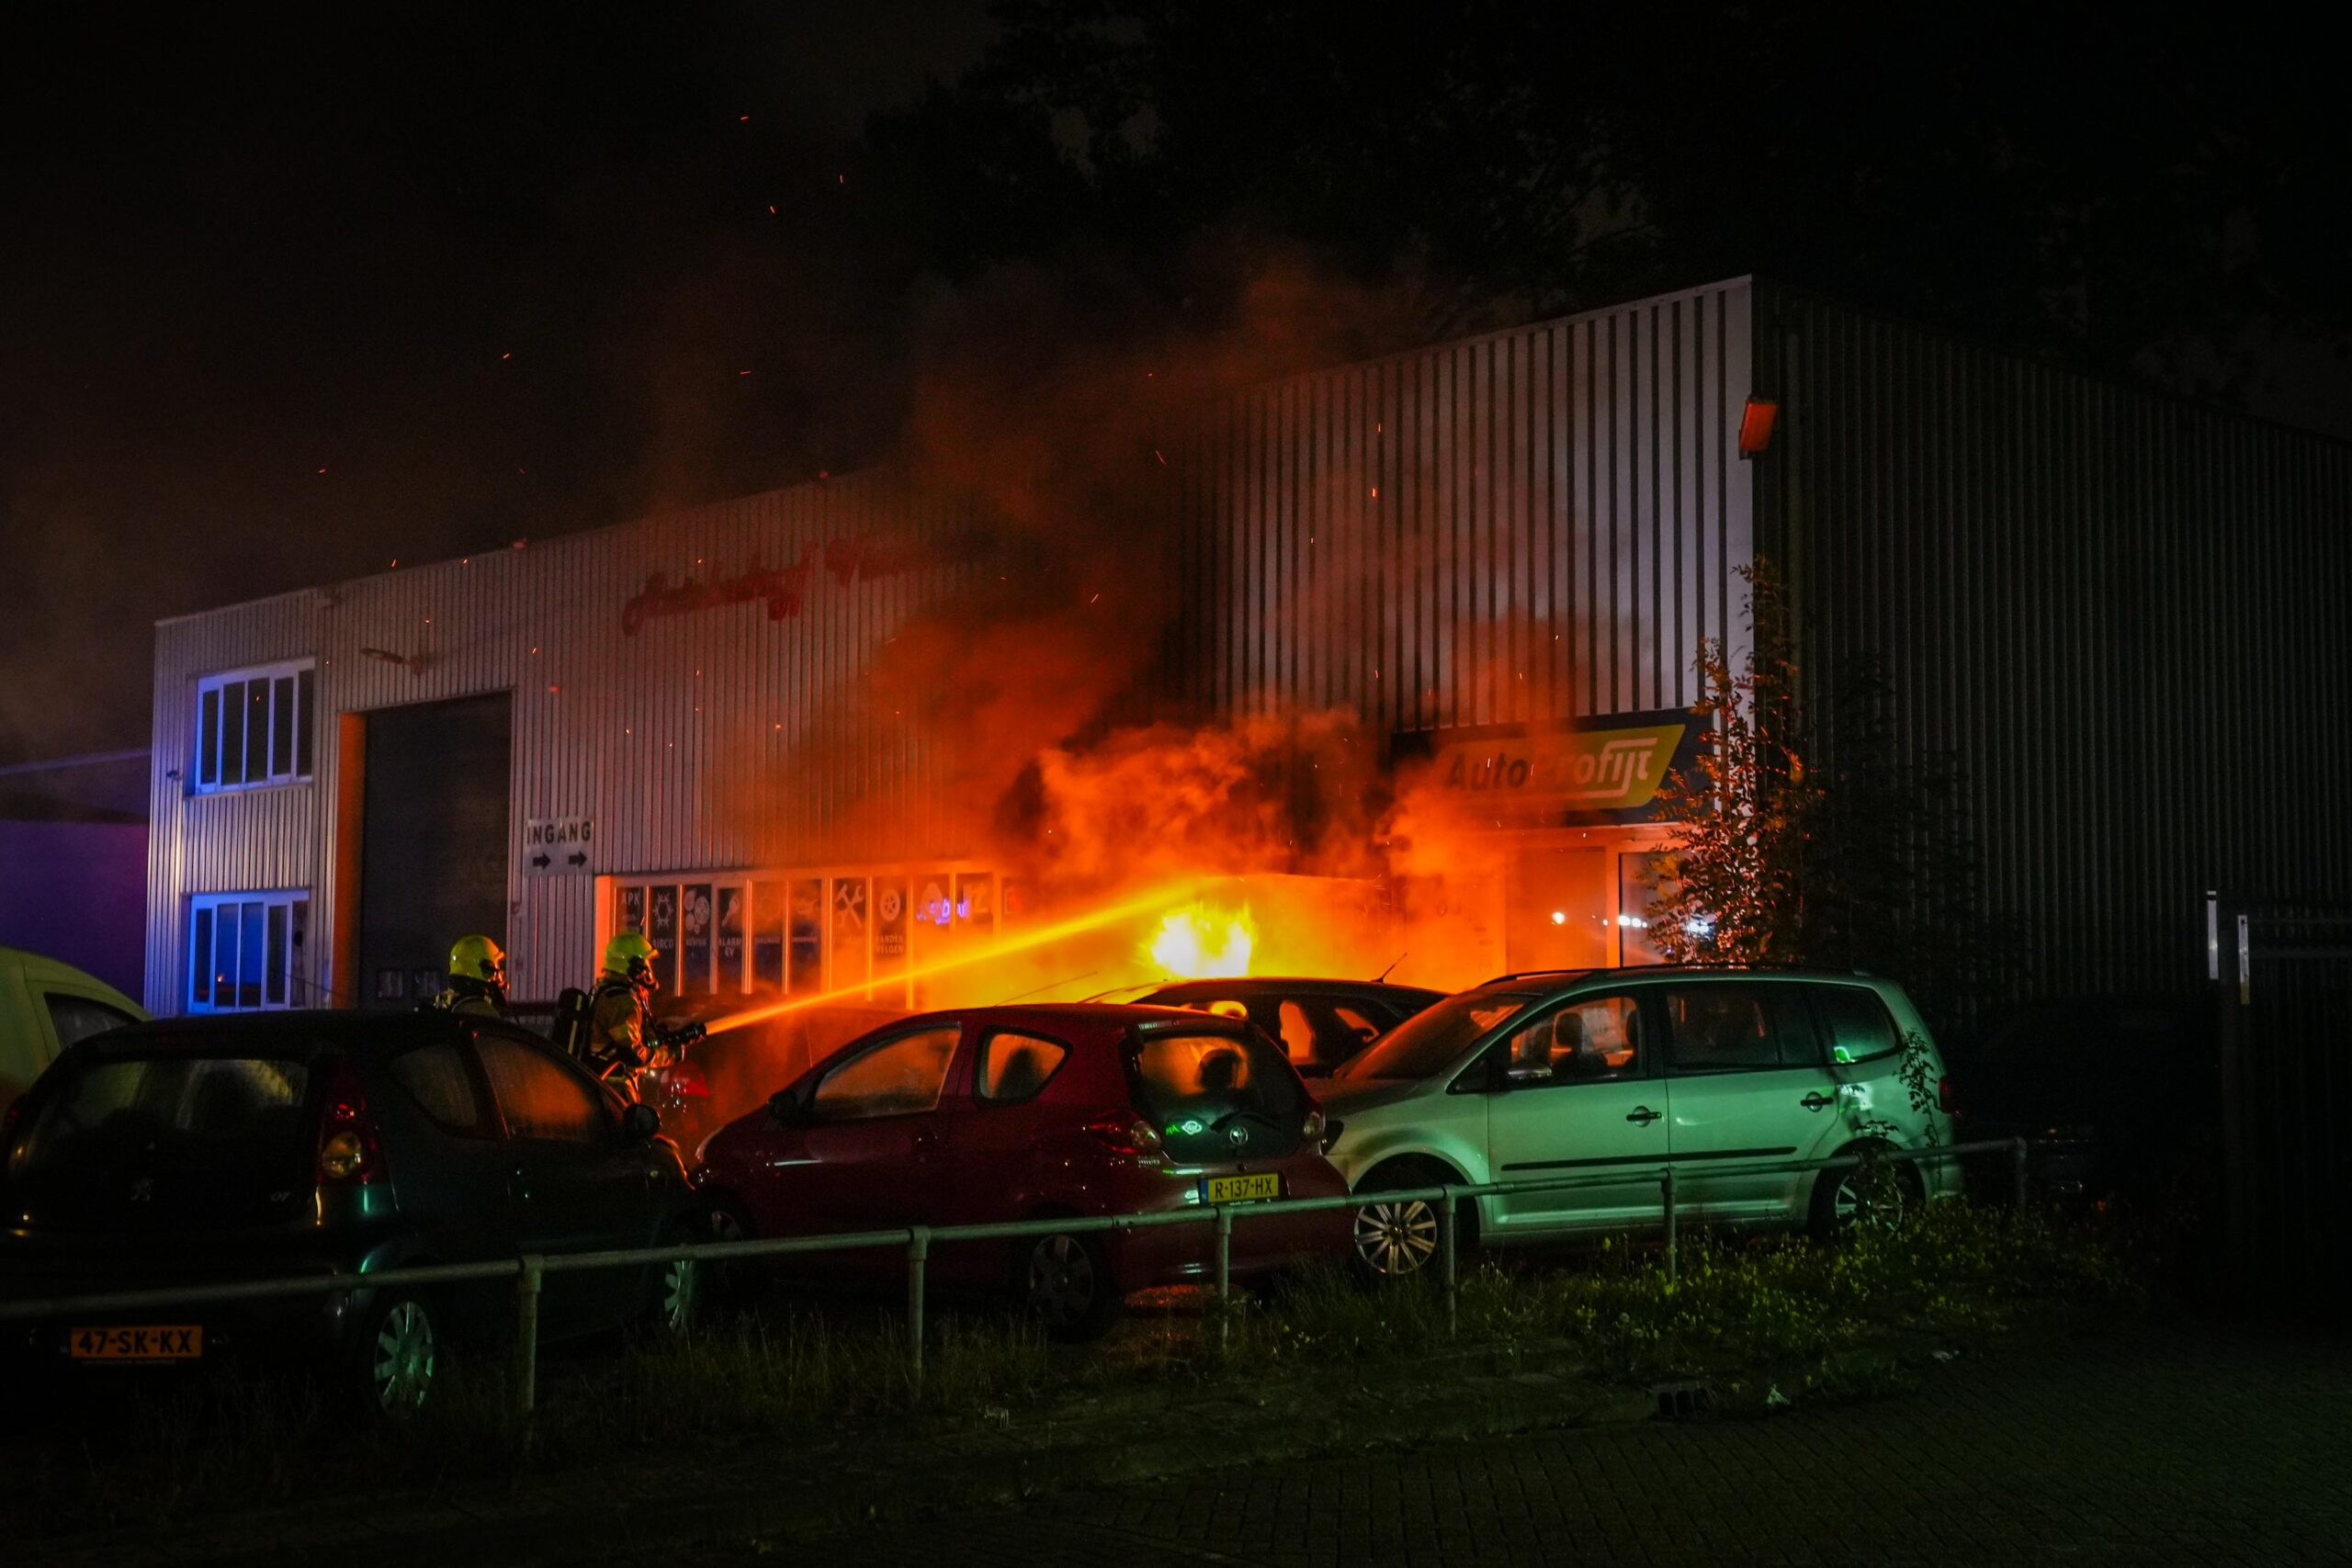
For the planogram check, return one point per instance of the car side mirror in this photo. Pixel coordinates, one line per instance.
(785, 1106)
(641, 1123)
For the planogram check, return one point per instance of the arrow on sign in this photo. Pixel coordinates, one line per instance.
(539, 861)
(578, 857)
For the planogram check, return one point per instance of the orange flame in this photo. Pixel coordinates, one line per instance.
(1199, 942)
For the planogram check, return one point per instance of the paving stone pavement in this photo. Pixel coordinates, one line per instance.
(2192, 1444)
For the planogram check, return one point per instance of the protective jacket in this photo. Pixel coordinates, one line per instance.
(466, 995)
(618, 1023)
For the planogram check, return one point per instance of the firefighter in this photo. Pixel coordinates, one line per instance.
(477, 979)
(622, 1041)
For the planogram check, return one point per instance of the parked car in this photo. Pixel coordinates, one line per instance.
(261, 1146)
(46, 1006)
(2116, 1096)
(1038, 1111)
(1318, 1023)
(1621, 1073)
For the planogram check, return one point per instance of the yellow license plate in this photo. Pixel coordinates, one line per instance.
(172, 1343)
(1241, 1189)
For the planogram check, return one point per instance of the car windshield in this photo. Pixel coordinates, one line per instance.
(1433, 1040)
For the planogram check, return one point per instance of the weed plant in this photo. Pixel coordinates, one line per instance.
(1775, 1311)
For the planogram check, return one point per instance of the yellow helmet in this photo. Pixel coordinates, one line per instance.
(478, 958)
(630, 953)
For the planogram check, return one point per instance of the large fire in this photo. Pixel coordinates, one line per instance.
(1200, 941)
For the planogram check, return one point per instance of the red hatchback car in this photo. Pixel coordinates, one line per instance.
(1005, 1113)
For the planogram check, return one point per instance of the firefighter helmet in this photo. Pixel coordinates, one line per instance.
(478, 958)
(630, 953)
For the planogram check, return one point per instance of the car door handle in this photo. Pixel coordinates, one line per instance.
(1641, 1114)
(1817, 1100)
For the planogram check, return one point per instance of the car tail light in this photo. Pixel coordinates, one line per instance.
(349, 1153)
(1124, 1134)
(686, 1080)
(1947, 1098)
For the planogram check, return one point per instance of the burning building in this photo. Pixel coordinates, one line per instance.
(1388, 659)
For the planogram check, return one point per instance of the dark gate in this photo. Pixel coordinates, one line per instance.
(2282, 981)
(434, 846)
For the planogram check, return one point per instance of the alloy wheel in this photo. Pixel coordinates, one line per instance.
(1062, 1284)
(1869, 1198)
(681, 1294)
(399, 1368)
(1396, 1239)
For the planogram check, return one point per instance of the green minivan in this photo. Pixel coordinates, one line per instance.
(46, 1006)
(1728, 1077)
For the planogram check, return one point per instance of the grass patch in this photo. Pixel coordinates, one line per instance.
(1769, 1319)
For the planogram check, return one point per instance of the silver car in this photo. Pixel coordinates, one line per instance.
(1730, 1077)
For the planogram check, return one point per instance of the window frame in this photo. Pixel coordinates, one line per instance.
(277, 907)
(51, 994)
(1785, 1004)
(980, 1065)
(608, 1120)
(298, 745)
(1825, 1033)
(490, 1116)
(946, 1077)
(1494, 1062)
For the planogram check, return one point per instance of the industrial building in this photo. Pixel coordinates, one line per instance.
(2116, 610)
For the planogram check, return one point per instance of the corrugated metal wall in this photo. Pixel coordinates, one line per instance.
(2121, 612)
(1532, 525)
(678, 741)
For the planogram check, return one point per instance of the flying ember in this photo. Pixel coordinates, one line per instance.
(1199, 942)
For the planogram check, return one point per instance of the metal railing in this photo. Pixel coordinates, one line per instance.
(529, 1272)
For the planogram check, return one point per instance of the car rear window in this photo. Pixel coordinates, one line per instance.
(167, 1112)
(1196, 1088)
(1857, 1022)
(1014, 1066)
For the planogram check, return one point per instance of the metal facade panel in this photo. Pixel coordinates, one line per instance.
(680, 741)
(2115, 611)
(1528, 525)
(1535, 524)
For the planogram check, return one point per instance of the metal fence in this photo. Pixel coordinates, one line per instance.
(529, 1272)
(2282, 982)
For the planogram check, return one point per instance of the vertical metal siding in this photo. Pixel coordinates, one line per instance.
(678, 741)
(1534, 524)
(1558, 515)
(2115, 609)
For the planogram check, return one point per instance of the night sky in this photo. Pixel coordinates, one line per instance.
(287, 295)
(285, 298)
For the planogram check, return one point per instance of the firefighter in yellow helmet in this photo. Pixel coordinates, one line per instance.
(477, 979)
(622, 1039)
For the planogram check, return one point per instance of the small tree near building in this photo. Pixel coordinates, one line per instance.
(1825, 844)
(1731, 887)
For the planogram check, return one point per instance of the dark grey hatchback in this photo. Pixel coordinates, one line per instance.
(208, 1151)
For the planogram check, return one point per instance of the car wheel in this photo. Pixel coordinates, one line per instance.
(1065, 1281)
(1870, 1194)
(1398, 1240)
(399, 1354)
(727, 1287)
